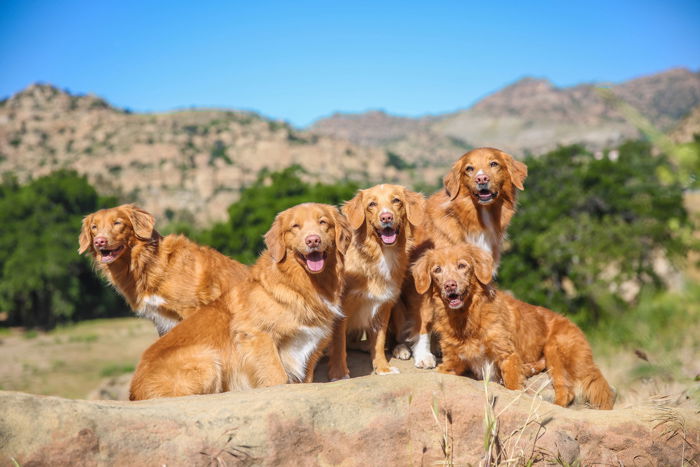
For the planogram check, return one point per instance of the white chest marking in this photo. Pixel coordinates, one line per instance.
(333, 308)
(296, 351)
(387, 263)
(487, 239)
(149, 309)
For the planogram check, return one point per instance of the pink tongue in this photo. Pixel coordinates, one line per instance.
(315, 261)
(106, 258)
(455, 301)
(389, 238)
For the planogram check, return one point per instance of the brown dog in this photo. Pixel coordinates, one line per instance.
(479, 325)
(165, 279)
(383, 219)
(476, 207)
(271, 328)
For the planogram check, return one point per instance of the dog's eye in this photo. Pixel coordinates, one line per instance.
(94, 227)
(461, 266)
(437, 270)
(117, 222)
(470, 168)
(296, 226)
(322, 222)
(493, 164)
(396, 201)
(372, 204)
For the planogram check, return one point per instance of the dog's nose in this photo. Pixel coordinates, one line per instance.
(450, 286)
(313, 241)
(386, 218)
(482, 179)
(100, 242)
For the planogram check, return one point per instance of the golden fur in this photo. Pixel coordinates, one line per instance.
(479, 325)
(382, 219)
(269, 329)
(461, 213)
(165, 279)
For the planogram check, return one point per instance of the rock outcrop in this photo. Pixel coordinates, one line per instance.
(407, 419)
(193, 162)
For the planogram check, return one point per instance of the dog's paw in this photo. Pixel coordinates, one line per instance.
(402, 352)
(425, 360)
(390, 370)
(339, 379)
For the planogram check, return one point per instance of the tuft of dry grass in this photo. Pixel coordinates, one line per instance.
(519, 446)
(445, 427)
(673, 426)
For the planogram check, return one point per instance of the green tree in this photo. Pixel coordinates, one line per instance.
(249, 218)
(43, 281)
(587, 225)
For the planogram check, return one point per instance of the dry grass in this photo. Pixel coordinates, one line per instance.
(71, 361)
(519, 446)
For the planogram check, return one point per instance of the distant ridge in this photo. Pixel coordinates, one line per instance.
(529, 116)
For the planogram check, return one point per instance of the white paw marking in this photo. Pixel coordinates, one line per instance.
(339, 379)
(392, 371)
(421, 353)
(402, 352)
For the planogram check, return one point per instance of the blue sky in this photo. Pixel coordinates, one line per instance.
(299, 61)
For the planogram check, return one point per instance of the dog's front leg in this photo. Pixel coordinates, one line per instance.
(337, 352)
(511, 371)
(422, 356)
(378, 341)
(452, 364)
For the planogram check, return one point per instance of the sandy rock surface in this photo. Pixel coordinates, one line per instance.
(406, 419)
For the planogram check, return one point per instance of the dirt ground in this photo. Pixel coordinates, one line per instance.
(73, 360)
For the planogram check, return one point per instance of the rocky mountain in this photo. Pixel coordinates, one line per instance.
(193, 161)
(197, 161)
(531, 115)
(688, 128)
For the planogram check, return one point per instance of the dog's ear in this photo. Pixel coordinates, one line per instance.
(415, 207)
(421, 274)
(85, 238)
(354, 210)
(453, 179)
(343, 234)
(483, 264)
(274, 240)
(517, 171)
(142, 222)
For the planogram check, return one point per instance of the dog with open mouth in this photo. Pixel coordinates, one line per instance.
(269, 329)
(165, 279)
(479, 325)
(475, 206)
(382, 219)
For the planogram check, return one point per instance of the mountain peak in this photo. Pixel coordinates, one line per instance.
(44, 96)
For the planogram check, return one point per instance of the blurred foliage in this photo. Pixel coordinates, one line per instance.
(589, 230)
(241, 236)
(43, 281)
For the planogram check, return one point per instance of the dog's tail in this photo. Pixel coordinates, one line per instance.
(597, 390)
